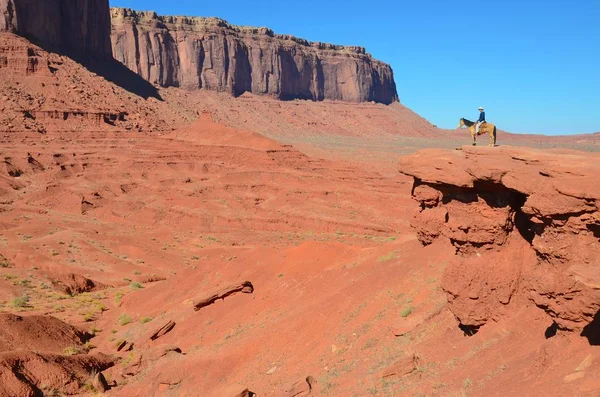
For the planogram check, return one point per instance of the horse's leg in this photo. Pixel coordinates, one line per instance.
(474, 135)
(491, 133)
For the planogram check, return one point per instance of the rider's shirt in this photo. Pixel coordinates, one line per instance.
(481, 117)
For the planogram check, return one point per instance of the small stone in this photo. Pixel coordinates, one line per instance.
(99, 382)
(573, 377)
(271, 371)
(585, 364)
(402, 367)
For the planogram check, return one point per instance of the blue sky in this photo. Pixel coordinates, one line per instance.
(533, 64)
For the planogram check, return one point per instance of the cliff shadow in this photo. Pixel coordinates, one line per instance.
(118, 74)
(112, 70)
(592, 331)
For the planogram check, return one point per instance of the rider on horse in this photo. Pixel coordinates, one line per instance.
(481, 120)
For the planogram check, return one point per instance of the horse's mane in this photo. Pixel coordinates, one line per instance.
(468, 123)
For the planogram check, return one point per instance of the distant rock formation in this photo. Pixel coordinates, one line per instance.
(72, 27)
(209, 53)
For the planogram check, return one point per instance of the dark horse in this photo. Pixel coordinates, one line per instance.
(485, 128)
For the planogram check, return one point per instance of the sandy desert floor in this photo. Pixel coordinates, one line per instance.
(235, 255)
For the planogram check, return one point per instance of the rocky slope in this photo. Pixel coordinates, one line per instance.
(74, 27)
(526, 228)
(44, 92)
(209, 53)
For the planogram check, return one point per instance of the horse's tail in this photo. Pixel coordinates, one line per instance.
(494, 134)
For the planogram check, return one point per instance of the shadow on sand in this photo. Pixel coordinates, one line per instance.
(112, 70)
(117, 73)
(592, 331)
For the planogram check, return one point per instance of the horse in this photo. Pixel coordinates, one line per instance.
(484, 128)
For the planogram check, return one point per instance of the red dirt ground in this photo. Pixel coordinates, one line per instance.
(165, 229)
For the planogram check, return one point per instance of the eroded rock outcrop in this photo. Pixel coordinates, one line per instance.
(38, 333)
(42, 355)
(209, 53)
(74, 27)
(525, 224)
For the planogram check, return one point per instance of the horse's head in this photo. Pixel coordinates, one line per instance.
(461, 123)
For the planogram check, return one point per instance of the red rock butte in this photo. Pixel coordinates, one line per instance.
(74, 27)
(209, 53)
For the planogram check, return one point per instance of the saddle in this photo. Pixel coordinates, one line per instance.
(483, 128)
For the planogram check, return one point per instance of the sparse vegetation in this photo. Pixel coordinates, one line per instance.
(72, 350)
(407, 311)
(88, 316)
(124, 319)
(388, 257)
(4, 262)
(129, 358)
(137, 285)
(20, 302)
(356, 311)
(118, 297)
(145, 320)
(88, 346)
(93, 331)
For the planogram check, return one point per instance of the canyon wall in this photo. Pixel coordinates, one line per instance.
(209, 53)
(73, 27)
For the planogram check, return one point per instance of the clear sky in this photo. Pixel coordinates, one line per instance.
(533, 64)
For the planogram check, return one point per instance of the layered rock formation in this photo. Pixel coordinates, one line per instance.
(526, 227)
(73, 27)
(209, 53)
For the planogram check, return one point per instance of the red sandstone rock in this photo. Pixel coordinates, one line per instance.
(73, 284)
(38, 333)
(304, 387)
(24, 373)
(209, 53)
(77, 27)
(405, 366)
(162, 330)
(521, 220)
(99, 382)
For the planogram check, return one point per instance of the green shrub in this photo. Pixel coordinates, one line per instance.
(124, 319)
(406, 312)
(20, 302)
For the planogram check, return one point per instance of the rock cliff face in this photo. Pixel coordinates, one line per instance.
(73, 27)
(526, 227)
(209, 53)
